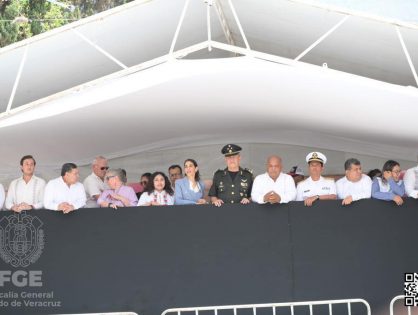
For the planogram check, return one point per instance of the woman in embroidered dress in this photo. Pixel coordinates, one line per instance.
(119, 195)
(388, 186)
(190, 189)
(158, 193)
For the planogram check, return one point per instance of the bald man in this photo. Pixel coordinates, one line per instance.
(273, 186)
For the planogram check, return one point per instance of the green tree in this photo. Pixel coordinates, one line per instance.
(10, 31)
(44, 16)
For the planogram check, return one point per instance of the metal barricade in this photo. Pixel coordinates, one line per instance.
(397, 298)
(112, 313)
(273, 306)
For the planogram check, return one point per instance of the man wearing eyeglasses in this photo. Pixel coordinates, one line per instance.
(175, 172)
(94, 184)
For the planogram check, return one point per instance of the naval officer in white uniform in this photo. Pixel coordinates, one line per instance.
(316, 187)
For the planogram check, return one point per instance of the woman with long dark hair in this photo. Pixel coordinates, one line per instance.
(158, 192)
(190, 189)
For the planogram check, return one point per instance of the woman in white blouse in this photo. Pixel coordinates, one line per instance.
(158, 193)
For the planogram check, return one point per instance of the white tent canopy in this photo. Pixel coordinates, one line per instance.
(117, 83)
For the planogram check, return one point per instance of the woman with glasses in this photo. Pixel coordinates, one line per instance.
(158, 192)
(388, 186)
(190, 189)
(119, 195)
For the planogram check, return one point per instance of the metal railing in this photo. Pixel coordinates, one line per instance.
(112, 313)
(273, 306)
(397, 298)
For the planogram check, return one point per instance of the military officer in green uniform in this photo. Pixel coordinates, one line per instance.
(233, 184)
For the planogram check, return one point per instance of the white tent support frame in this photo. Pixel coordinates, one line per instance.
(224, 24)
(247, 51)
(408, 57)
(17, 80)
(208, 7)
(234, 13)
(316, 43)
(169, 57)
(100, 49)
(176, 34)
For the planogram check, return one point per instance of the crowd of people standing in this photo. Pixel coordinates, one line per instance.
(106, 187)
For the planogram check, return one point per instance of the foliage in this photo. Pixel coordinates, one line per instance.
(44, 16)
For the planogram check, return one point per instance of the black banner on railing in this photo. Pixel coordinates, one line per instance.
(148, 259)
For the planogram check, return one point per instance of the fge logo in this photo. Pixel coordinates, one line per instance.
(21, 278)
(21, 244)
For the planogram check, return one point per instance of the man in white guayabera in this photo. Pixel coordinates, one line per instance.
(26, 192)
(65, 193)
(410, 180)
(354, 185)
(273, 186)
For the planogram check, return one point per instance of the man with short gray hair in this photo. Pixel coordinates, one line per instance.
(354, 185)
(94, 184)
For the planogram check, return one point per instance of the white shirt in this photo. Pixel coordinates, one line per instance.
(93, 185)
(309, 188)
(283, 186)
(410, 180)
(31, 193)
(1, 196)
(57, 191)
(162, 198)
(357, 190)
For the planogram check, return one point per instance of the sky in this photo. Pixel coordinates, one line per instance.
(404, 10)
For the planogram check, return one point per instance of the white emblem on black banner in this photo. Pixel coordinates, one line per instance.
(21, 239)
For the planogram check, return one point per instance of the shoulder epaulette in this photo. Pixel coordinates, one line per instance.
(248, 170)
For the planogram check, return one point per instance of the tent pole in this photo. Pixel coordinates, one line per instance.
(176, 34)
(208, 7)
(239, 25)
(408, 57)
(104, 52)
(322, 38)
(224, 24)
(19, 73)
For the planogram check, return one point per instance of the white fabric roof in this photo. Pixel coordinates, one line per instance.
(266, 96)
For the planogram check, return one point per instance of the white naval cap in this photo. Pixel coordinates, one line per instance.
(316, 156)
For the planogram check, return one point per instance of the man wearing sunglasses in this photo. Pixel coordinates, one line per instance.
(94, 184)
